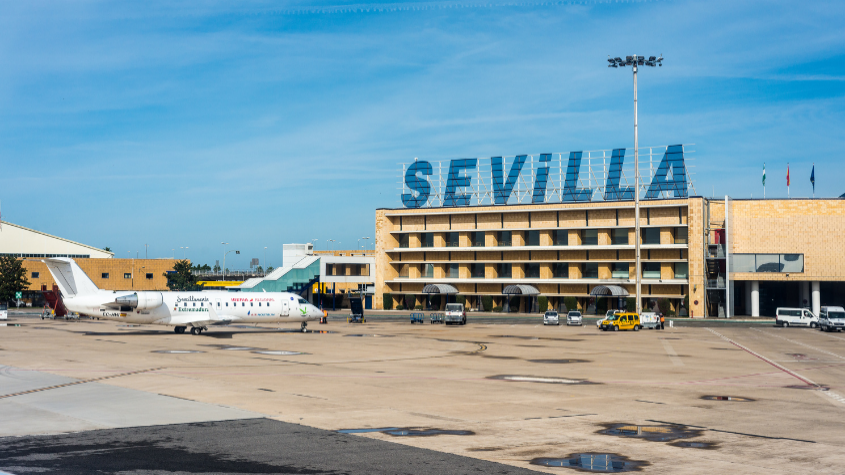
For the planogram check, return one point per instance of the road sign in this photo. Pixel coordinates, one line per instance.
(18, 295)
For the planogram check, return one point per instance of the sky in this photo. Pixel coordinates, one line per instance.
(186, 124)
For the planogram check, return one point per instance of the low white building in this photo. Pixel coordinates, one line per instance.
(18, 241)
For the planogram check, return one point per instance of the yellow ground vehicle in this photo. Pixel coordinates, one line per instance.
(621, 321)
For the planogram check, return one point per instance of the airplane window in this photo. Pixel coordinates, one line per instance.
(186, 304)
(218, 304)
(243, 304)
(250, 304)
(227, 304)
(201, 304)
(195, 304)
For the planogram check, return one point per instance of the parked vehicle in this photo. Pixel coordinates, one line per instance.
(650, 320)
(609, 313)
(574, 318)
(551, 318)
(436, 317)
(832, 319)
(4, 311)
(621, 321)
(455, 313)
(800, 317)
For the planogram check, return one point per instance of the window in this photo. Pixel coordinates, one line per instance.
(35, 275)
(454, 271)
(651, 270)
(427, 240)
(591, 271)
(504, 270)
(127, 275)
(590, 237)
(302, 301)
(194, 304)
(619, 237)
(619, 270)
(259, 304)
(681, 270)
(477, 239)
(532, 271)
(104, 275)
(532, 238)
(476, 270)
(561, 270)
(218, 304)
(429, 271)
(250, 304)
(243, 304)
(186, 304)
(680, 235)
(651, 236)
(560, 237)
(227, 304)
(452, 239)
(503, 238)
(149, 276)
(767, 262)
(403, 240)
(202, 304)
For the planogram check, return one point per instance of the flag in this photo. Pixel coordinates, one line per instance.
(787, 174)
(813, 178)
(764, 174)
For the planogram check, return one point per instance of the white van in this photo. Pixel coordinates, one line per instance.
(832, 319)
(800, 317)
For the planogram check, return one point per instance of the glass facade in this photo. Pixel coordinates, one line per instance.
(532, 238)
(681, 270)
(767, 263)
(452, 239)
(651, 236)
(427, 240)
(619, 237)
(560, 237)
(591, 271)
(477, 238)
(504, 238)
(503, 270)
(651, 270)
(532, 271)
(590, 237)
(619, 270)
(561, 270)
(476, 270)
(681, 236)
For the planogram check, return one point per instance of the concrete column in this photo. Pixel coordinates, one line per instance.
(755, 298)
(747, 289)
(805, 293)
(817, 297)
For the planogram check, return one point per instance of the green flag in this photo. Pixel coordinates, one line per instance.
(764, 174)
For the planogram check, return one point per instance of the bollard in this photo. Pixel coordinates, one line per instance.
(671, 323)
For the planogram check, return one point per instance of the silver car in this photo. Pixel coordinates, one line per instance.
(574, 318)
(551, 318)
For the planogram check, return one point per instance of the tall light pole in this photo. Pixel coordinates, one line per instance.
(183, 251)
(636, 61)
(331, 245)
(146, 248)
(264, 269)
(359, 241)
(174, 253)
(224, 258)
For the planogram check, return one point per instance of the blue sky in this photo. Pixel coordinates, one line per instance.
(261, 123)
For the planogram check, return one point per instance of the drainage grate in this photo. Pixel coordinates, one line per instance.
(607, 463)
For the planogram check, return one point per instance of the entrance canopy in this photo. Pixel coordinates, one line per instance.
(521, 290)
(604, 290)
(439, 289)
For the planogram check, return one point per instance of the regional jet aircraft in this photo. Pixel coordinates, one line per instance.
(180, 310)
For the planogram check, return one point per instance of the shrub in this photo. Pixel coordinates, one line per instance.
(418, 307)
(461, 299)
(543, 302)
(399, 307)
(497, 309)
(409, 301)
(601, 305)
(686, 302)
(664, 306)
(388, 301)
(571, 303)
(487, 302)
(630, 304)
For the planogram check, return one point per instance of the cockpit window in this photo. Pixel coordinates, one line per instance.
(303, 301)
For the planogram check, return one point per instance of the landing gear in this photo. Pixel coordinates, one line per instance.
(179, 330)
(304, 328)
(196, 330)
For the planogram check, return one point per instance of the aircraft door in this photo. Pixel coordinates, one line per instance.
(285, 309)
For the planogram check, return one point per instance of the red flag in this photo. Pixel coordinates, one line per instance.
(787, 175)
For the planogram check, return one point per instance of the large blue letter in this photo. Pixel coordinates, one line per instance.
(542, 179)
(501, 192)
(571, 192)
(674, 157)
(418, 184)
(458, 180)
(612, 191)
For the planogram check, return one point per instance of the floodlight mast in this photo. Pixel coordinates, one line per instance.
(636, 61)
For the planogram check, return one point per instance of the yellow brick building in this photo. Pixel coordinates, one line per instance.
(566, 250)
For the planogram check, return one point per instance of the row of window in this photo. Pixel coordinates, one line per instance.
(559, 237)
(72, 256)
(234, 304)
(104, 275)
(560, 270)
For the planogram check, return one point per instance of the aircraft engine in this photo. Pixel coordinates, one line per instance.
(141, 300)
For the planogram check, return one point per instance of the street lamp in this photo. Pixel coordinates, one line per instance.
(636, 61)
(224, 258)
(359, 241)
(183, 251)
(174, 253)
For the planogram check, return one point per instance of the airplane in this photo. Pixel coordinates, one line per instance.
(181, 310)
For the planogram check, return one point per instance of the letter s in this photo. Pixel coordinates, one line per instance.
(418, 184)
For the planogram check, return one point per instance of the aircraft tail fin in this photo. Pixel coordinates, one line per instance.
(70, 278)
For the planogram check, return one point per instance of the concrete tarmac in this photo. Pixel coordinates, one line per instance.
(722, 398)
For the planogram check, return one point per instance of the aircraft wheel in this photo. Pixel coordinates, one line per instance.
(195, 330)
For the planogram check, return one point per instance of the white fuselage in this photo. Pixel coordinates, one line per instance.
(192, 308)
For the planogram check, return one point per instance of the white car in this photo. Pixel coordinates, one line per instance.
(832, 319)
(801, 317)
(609, 313)
(551, 318)
(573, 318)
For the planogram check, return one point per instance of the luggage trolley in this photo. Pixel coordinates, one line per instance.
(417, 318)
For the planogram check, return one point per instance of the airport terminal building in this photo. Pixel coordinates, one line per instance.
(465, 229)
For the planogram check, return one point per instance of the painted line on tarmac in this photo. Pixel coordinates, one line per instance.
(789, 372)
(732, 432)
(800, 343)
(74, 383)
(673, 355)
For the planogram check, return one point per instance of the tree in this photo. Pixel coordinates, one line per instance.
(259, 270)
(107, 249)
(270, 269)
(387, 300)
(487, 303)
(12, 278)
(216, 267)
(543, 303)
(182, 278)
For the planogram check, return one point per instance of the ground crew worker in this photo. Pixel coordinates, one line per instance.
(662, 321)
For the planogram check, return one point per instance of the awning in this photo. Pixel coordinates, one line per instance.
(439, 289)
(521, 290)
(603, 290)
